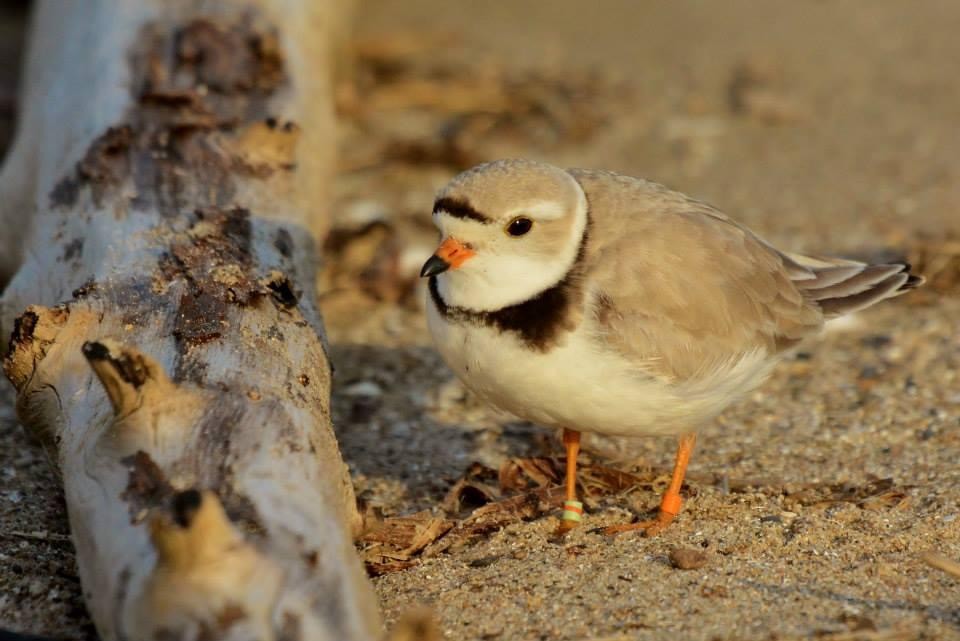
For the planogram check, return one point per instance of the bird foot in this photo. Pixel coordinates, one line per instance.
(652, 527)
(564, 527)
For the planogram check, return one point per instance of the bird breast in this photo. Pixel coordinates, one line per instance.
(581, 384)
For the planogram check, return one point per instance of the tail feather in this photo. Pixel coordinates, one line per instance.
(842, 286)
(869, 276)
(829, 276)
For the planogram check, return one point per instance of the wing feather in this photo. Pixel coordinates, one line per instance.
(680, 288)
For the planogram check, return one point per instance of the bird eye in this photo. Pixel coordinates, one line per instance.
(519, 226)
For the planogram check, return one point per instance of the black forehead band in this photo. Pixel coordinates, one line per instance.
(459, 208)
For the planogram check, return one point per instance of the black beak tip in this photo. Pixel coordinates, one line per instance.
(434, 265)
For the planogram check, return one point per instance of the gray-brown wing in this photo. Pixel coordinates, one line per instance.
(681, 288)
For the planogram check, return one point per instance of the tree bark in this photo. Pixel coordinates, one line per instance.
(172, 166)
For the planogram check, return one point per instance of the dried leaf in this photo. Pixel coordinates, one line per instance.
(494, 516)
(522, 474)
(393, 543)
(473, 490)
(874, 495)
(378, 568)
(406, 535)
(885, 501)
(599, 480)
(469, 494)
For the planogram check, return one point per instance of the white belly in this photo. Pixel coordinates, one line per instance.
(578, 386)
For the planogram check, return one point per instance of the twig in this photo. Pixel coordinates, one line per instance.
(941, 562)
(38, 536)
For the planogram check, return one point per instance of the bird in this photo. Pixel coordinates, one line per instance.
(591, 301)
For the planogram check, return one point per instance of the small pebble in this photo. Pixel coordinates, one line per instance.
(484, 561)
(687, 558)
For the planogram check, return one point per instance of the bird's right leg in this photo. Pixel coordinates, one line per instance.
(671, 502)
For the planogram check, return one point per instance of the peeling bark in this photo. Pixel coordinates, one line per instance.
(165, 342)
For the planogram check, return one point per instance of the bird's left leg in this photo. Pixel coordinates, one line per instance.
(572, 508)
(671, 502)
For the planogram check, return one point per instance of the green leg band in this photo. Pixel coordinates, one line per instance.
(572, 511)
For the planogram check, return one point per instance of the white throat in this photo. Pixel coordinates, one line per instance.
(493, 280)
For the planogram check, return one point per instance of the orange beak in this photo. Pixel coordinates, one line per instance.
(450, 255)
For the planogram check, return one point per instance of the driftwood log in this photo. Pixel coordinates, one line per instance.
(167, 185)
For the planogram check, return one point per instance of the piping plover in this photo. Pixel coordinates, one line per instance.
(592, 301)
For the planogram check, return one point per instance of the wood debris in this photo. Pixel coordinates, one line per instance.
(523, 474)
(401, 76)
(484, 500)
(877, 494)
(390, 545)
(942, 562)
(367, 258)
(473, 490)
(38, 535)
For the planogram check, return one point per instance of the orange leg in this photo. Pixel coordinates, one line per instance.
(572, 509)
(671, 502)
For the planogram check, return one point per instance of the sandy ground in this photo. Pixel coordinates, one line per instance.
(827, 127)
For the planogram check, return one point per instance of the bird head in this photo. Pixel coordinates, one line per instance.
(509, 230)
